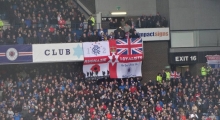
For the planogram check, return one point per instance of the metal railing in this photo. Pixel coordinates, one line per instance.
(73, 26)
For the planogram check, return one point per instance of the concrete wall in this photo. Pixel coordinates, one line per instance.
(194, 14)
(132, 7)
(163, 8)
(155, 59)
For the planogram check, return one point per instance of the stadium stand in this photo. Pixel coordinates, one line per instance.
(32, 22)
(59, 91)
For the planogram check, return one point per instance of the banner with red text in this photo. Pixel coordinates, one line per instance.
(96, 59)
(120, 58)
(127, 54)
(213, 61)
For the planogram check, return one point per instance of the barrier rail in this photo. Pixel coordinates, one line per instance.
(73, 26)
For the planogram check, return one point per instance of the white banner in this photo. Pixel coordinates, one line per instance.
(92, 70)
(58, 52)
(127, 70)
(96, 49)
(213, 59)
(151, 34)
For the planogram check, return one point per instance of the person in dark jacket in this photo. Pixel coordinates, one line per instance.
(84, 38)
(135, 35)
(94, 37)
(42, 39)
(143, 23)
(187, 74)
(75, 37)
(28, 39)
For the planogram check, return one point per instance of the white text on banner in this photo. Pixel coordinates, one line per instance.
(151, 34)
(57, 52)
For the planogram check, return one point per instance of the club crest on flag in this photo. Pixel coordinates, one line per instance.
(12, 54)
(96, 49)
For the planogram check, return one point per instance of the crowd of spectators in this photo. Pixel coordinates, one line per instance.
(44, 21)
(54, 21)
(144, 21)
(58, 91)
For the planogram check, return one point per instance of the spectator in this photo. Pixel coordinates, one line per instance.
(91, 21)
(61, 22)
(84, 38)
(135, 35)
(42, 39)
(1, 24)
(28, 39)
(122, 23)
(127, 28)
(116, 23)
(68, 23)
(164, 22)
(138, 23)
(131, 31)
(75, 37)
(187, 74)
(48, 39)
(20, 39)
(69, 38)
(111, 24)
(143, 23)
(94, 37)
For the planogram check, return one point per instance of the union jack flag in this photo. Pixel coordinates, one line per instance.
(174, 74)
(130, 46)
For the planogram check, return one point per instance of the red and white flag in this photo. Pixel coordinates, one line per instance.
(96, 58)
(128, 54)
(174, 74)
(121, 58)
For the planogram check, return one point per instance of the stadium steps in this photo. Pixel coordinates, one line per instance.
(89, 4)
(82, 8)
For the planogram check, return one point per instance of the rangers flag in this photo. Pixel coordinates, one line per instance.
(15, 54)
(120, 58)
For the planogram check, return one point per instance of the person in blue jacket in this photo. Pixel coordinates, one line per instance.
(20, 39)
(17, 116)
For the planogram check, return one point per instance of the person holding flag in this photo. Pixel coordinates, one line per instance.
(174, 75)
